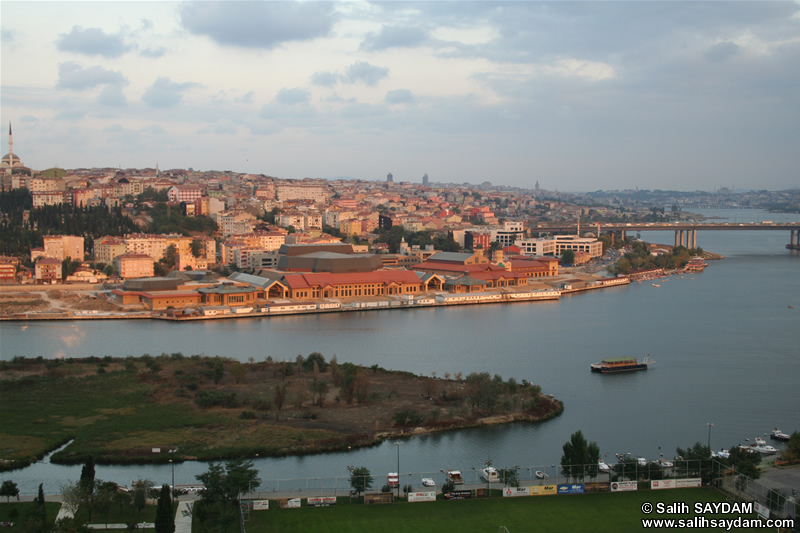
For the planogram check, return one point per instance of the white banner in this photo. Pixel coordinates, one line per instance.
(422, 496)
(762, 510)
(691, 482)
(261, 505)
(293, 503)
(663, 484)
(512, 492)
(621, 486)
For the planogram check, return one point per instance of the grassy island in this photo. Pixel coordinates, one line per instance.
(119, 410)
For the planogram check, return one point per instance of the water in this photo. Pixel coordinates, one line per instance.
(725, 343)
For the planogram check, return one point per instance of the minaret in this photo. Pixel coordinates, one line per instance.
(10, 148)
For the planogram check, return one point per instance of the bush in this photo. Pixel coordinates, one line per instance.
(248, 415)
(207, 399)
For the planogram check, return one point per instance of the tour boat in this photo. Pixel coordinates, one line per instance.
(623, 364)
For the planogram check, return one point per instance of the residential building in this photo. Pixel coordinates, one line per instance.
(132, 265)
(47, 270)
(63, 246)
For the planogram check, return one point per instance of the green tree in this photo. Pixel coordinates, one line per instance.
(360, 479)
(568, 257)
(694, 462)
(165, 520)
(70, 525)
(225, 484)
(509, 477)
(219, 370)
(104, 497)
(9, 489)
(580, 457)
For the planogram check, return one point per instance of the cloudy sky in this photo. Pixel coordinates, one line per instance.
(577, 95)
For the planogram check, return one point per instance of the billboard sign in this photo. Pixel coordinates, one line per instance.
(513, 492)
(422, 496)
(623, 486)
(573, 488)
(458, 495)
(662, 484)
(324, 501)
(543, 490)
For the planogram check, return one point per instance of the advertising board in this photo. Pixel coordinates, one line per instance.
(379, 497)
(290, 503)
(260, 505)
(596, 486)
(458, 495)
(421, 497)
(543, 490)
(324, 501)
(623, 486)
(513, 492)
(573, 488)
(662, 484)
(690, 482)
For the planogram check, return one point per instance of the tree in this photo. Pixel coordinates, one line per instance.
(70, 525)
(360, 479)
(568, 257)
(225, 484)
(87, 475)
(9, 489)
(509, 477)
(165, 521)
(104, 497)
(580, 457)
(694, 462)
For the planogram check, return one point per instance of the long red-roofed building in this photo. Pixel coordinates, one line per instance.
(314, 285)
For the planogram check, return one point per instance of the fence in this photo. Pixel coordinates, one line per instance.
(780, 499)
(631, 470)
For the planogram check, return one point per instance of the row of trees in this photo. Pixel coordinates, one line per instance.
(640, 258)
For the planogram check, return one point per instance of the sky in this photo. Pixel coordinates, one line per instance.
(579, 96)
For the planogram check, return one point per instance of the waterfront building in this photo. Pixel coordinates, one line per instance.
(315, 285)
(133, 266)
(575, 243)
(48, 270)
(537, 247)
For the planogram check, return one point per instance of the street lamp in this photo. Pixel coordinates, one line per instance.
(398, 443)
(710, 425)
(172, 462)
(350, 470)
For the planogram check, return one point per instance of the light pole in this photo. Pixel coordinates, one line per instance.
(710, 425)
(488, 478)
(350, 470)
(172, 462)
(398, 443)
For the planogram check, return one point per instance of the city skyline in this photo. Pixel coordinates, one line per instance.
(578, 96)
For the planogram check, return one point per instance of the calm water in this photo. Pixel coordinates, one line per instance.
(725, 342)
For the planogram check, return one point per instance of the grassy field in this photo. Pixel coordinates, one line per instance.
(598, 513)
(16, 512)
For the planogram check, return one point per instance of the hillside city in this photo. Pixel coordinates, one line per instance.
(173, 236)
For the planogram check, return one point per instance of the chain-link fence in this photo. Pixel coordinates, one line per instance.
(775, 495)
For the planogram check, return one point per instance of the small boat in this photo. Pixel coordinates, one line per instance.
(665, 464)
(760, 442)
(623, 364)
(641, 461)
(455, 477)
(603, 466)
(541, 475)
(490, 474)
(777, 434)
(656, 285)
(392, 479)
(722, 454)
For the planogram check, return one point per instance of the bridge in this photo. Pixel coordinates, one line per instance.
(686, 232)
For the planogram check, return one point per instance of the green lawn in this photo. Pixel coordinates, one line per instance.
(17, 512)
(598, 513)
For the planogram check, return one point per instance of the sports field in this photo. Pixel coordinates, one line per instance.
(612, 513)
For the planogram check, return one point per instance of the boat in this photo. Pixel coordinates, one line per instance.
(623, 364)
(760, 441)
(777, 434)
(490, 474)
(541, 475)
(758, 448)
(455, 477)
(603, 466)
(428, 482)
(663, 463)
(722, 454)
(656, 285)
(392, 479)
(641, 461)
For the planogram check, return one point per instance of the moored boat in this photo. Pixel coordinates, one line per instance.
(777, 434)
(541, 475)
(490, 474)
(622, 364)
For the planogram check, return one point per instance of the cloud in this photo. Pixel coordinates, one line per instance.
(363, 72)
(293, 96)
(166, 93)
(8, 36)
(325, 79)
(394, 37)
(154, 53)
(72, 76)
(257, 24)
(722, 52)
(112, 96)
(92, 42)
(400, 96)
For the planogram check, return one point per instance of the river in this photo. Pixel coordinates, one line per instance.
(725, 341)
